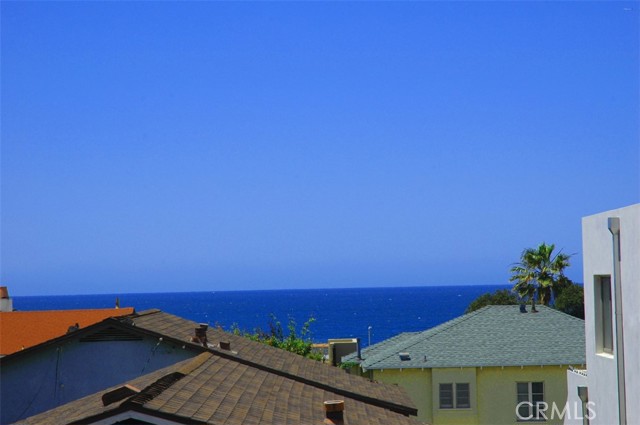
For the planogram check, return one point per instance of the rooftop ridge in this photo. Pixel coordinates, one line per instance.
(15, 312)
(197, 361)
(556, 311)
(147, 312)
(445, 346)
(395, 407)
(239, 358)
(415, 339)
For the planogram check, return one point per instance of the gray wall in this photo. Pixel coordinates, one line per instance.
(57, 375)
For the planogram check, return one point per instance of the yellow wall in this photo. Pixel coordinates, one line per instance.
(416, 382)
(497, 396)
(454, 416)
(493, 391)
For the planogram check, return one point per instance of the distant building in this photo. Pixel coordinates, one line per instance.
(491, 366)
(6, 303)
(79, 363)
(120, 350)
(24, 329)
(610, 391)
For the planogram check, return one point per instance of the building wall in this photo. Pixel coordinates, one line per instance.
(493, 391)
(454, 416)
(417, 383)
(598, 260)
(497, 391)
(57, 375)
(576, 410)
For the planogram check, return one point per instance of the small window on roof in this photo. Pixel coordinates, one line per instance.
(404, 356)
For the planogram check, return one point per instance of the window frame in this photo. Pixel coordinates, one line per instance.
(455, 388)
(603, 291)
(532, 398)
(451, 395)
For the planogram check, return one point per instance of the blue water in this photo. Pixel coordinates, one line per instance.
(338, 313)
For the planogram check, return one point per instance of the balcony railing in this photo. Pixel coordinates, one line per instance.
(582, 372)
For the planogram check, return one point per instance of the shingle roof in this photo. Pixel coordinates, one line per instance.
(24, 329)
(491, 336)
(210, 389)
(280, 362)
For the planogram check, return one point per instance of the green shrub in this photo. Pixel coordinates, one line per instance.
(275, 337)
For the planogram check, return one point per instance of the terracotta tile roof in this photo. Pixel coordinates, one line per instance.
(23, 329)
(280, 362)
(210, 389)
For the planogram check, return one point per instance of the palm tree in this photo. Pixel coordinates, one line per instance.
(539, 271)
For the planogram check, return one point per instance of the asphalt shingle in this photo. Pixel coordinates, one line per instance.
(277, 360)
(491, 336)
(215, 390)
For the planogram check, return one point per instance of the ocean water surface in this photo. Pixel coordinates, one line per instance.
(338, 313)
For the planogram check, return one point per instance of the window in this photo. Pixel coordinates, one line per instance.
(458, 399)
(530, 394)
(603, 315)
(462, 396)
(446, 396)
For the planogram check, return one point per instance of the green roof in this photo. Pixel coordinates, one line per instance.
(492, 336)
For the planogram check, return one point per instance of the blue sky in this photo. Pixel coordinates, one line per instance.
(210, 146)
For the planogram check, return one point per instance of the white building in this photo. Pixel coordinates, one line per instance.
(611, 254)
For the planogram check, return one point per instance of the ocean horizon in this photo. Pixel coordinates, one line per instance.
(337, 312)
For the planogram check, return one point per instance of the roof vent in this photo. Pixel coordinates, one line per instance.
(225, 345)
(404, 356)
(118, 394)
(334, 411)
(111, 334)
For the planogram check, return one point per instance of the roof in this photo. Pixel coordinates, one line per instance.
(23, 329)
(492, 336)
(210, 389)
(278, 361)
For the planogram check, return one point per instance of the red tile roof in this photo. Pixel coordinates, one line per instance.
(23, 329)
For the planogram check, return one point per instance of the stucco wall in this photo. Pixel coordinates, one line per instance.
(417, 383)
(598, 260)
(454, 416)
(493, 391)
(576, 411)
(497, 391)
(54, 376)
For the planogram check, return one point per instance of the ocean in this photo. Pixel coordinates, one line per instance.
(338, 313)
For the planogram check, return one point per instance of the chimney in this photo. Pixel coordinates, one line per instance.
(334, 411)
(201, 334)
(6, 303)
